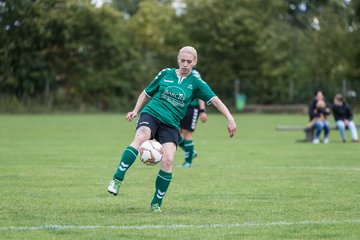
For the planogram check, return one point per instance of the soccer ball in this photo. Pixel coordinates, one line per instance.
(151, 152)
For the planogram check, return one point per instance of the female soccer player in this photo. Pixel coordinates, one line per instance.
(170, 92)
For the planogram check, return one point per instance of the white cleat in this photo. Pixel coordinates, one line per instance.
(114, 186)
(155, 207)
(186, 165)
(316, 141)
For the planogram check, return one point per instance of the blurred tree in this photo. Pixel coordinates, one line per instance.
(329, 27)
(23, 67)
(158, 34)
(354, 73)
(68, 52)
(129, 7)
(97, 56)
(225, 33)
(271, 46)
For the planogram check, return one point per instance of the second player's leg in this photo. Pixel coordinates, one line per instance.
(188, 147)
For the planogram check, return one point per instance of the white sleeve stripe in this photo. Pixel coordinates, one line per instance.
(209, 102)
(147, 94)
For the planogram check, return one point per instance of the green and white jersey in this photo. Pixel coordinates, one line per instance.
(171, 95)
(194, 103)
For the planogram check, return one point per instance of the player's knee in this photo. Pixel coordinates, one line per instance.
(136, 143)
(142, 134)
(166, 163)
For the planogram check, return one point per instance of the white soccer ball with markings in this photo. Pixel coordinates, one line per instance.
(151, 152)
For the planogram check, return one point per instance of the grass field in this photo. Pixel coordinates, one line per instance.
(262, 184)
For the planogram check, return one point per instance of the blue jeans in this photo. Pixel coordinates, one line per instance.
(322, 125)
(341, 126)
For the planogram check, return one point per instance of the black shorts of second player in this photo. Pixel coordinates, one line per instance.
(160, 131)
(190, 120)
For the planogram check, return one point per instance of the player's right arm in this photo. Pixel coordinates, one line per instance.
(140, 103)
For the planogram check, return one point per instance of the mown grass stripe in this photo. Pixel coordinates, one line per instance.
(176, 226)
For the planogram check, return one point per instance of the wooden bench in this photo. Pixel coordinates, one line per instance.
(309, 132)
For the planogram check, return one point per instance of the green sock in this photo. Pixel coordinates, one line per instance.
(189, 150)
(127, 159)
(162, 184)
(181, 142)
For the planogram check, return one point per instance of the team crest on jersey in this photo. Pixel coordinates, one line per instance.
(174, 95)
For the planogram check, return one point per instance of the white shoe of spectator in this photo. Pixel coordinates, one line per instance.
(316, 141)
(326, 140)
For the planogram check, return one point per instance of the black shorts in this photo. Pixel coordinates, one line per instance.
(190, 120)
(160, 131)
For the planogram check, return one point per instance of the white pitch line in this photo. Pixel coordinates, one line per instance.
(321, 168)
(176, 226)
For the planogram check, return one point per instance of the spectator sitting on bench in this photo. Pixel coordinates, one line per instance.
(319, 95)
(343, 117)
(319, 121)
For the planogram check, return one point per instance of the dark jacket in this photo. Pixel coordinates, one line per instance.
(342, 112)
(321, 111)
(311, 109)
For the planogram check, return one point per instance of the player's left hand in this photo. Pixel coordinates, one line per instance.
(203, 117)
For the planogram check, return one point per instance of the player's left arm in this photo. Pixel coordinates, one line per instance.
(225, 111)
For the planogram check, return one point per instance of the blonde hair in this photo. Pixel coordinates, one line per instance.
(188, 49)
(320, 104)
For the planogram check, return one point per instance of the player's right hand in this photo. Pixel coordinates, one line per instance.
(130, 116)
